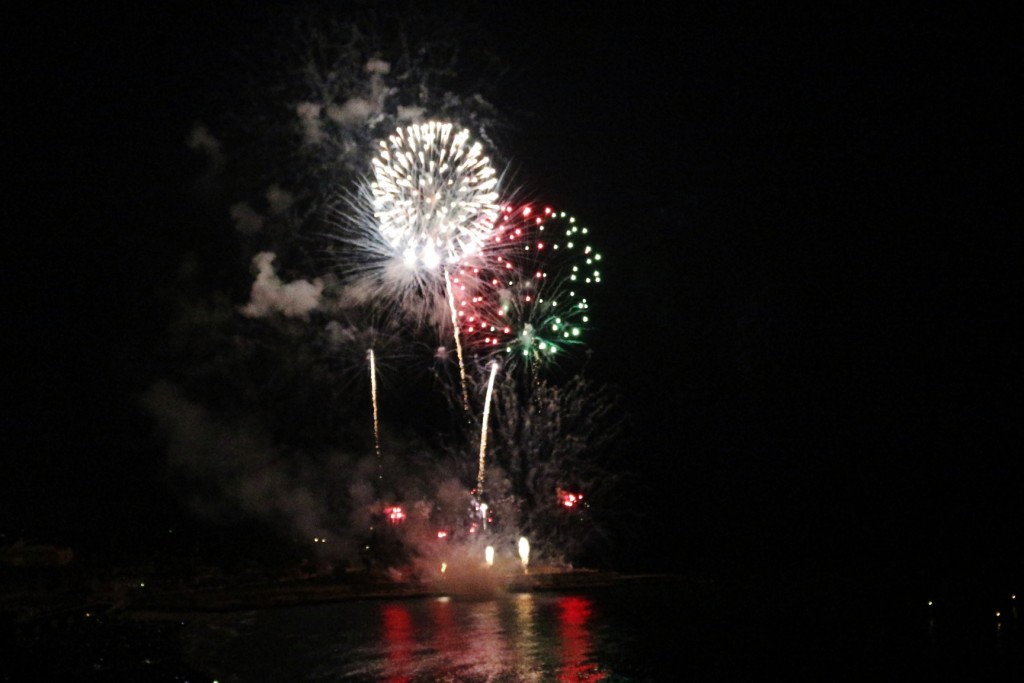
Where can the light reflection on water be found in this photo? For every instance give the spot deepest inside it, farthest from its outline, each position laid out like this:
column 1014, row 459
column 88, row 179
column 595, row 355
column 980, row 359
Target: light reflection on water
column 516, row 637
column 644, row 632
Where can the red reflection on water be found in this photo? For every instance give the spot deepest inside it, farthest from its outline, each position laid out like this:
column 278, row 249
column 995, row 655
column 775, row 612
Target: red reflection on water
column 443, row 633
column 399, row 641
column 576, row 642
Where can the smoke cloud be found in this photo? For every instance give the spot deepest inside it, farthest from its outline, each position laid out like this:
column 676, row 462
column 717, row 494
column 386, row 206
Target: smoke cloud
column 271, row 295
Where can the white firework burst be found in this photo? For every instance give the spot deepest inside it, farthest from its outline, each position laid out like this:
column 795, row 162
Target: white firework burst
column 435, row 194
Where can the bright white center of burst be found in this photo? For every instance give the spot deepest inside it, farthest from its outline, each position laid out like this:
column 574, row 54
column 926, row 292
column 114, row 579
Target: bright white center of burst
column 434, row 194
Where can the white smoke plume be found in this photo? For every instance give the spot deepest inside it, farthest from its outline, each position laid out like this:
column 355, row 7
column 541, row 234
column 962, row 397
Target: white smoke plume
column 271, row 295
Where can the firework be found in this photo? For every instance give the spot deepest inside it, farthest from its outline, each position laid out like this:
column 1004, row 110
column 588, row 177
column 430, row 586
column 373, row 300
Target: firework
column 407, row 232
column 531, row 301
column 434, row 194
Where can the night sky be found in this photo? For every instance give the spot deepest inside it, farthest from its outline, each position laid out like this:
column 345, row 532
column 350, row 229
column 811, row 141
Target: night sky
column 813, row 264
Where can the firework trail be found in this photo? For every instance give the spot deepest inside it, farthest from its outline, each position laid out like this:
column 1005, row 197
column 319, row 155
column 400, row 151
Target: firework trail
column 376, row 420
column 483, row 429
column 458, row 342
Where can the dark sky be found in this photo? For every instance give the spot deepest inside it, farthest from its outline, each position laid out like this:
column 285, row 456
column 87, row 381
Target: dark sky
column 813, row 259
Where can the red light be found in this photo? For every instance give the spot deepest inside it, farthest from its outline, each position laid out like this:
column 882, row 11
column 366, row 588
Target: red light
column 395, row 514
column 568, row 499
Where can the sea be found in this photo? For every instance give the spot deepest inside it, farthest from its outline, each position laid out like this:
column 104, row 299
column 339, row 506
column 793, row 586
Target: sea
column 645, row 628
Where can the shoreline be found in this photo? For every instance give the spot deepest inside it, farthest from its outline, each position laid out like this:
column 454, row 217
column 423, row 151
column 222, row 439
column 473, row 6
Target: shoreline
column 319, row 591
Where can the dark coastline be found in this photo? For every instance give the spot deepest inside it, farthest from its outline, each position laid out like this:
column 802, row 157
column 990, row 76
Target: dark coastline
column 367, row 587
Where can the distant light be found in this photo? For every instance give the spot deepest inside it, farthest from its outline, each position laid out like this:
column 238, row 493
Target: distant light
column 568, row 499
